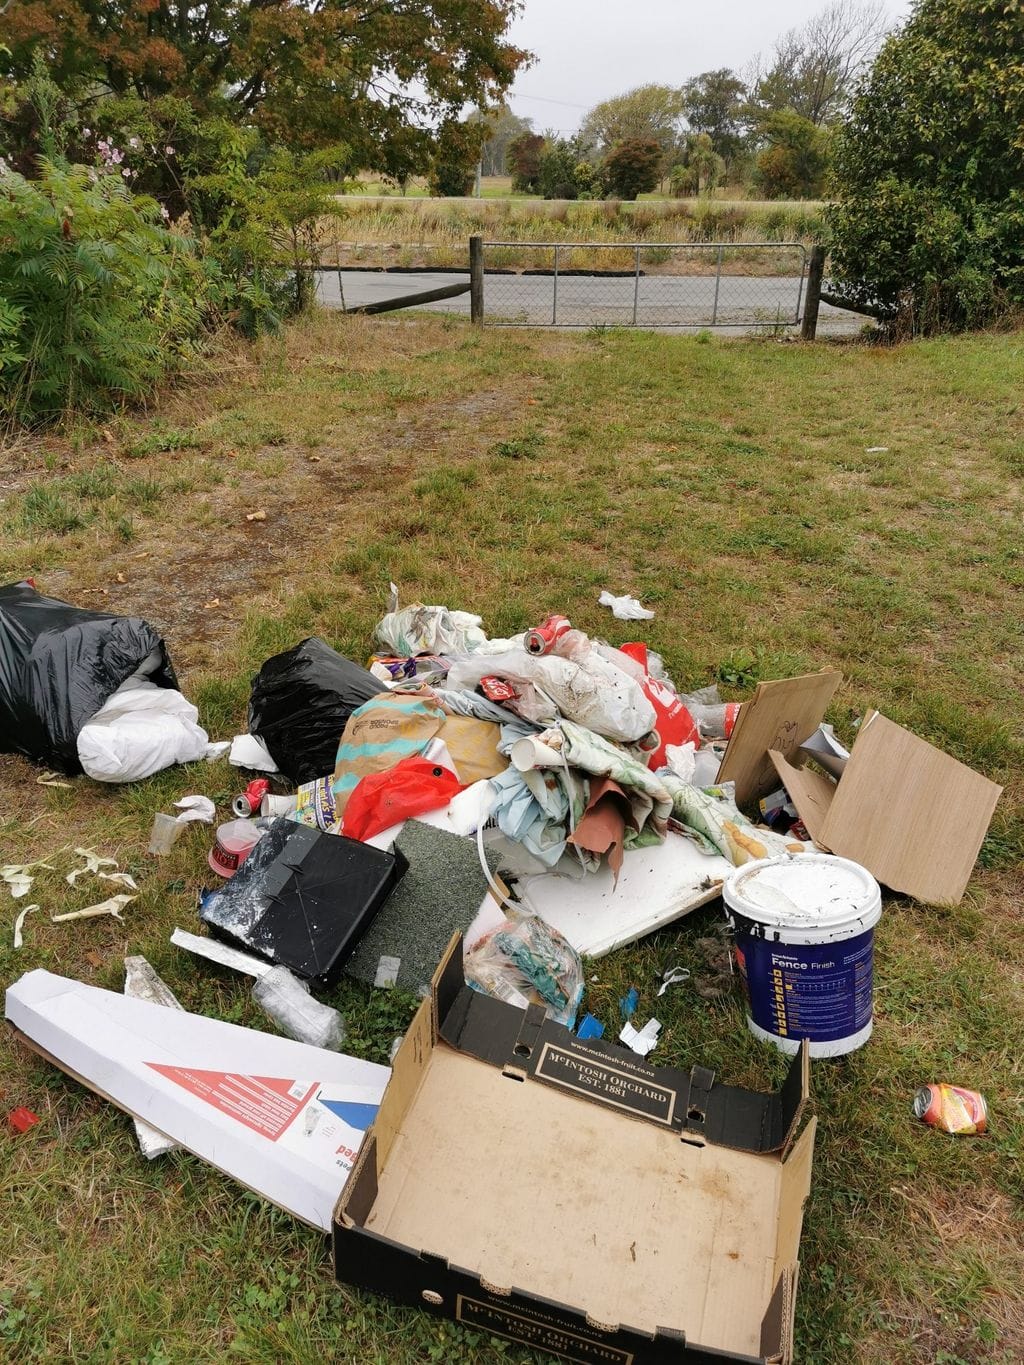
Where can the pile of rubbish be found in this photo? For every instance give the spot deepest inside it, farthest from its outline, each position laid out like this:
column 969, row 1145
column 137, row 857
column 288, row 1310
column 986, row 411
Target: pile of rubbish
column 504, row 808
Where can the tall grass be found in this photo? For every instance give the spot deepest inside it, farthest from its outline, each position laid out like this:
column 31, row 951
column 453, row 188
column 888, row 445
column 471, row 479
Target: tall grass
column 435, row 232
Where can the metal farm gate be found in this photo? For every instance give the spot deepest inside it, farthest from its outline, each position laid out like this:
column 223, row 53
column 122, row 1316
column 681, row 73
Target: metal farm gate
column 662, row 284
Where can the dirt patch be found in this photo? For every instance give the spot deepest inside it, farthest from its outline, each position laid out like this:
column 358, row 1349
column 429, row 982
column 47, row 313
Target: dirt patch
column 956, row 1232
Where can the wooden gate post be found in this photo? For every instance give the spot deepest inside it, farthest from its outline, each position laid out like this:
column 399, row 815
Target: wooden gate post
column 476, row 279
column 815, row 271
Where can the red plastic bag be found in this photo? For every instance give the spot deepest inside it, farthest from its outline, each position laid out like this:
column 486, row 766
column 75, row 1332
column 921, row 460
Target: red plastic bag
column 411, row 787
column 675, row 724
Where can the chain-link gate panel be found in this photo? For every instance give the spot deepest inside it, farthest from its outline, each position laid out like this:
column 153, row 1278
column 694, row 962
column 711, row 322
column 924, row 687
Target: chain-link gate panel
column 600, row 284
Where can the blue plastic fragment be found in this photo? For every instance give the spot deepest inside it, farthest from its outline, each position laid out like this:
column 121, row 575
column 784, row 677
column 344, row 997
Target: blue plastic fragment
column 629, row 1002
column 590, row 1027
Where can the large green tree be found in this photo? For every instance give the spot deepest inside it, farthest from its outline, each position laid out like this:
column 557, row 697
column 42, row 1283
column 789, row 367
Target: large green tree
column 713, row 103
column 650, row 112
column 377, row 74
column 929, row 170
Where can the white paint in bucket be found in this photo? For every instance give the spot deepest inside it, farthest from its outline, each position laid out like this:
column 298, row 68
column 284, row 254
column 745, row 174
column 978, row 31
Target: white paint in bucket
column 804, row 927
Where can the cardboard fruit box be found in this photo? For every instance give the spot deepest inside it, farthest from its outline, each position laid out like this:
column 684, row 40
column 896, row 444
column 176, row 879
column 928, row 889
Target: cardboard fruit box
column 573, row 1198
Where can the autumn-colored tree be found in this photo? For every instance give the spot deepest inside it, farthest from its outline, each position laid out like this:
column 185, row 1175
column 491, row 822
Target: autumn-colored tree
column 376, row 74
column 633, row 167
column 523, row 160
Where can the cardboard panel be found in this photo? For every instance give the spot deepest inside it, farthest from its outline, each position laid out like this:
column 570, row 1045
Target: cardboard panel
column 779, row 716
column 406, row 1073
column 282, row 1118
column 912, row 815
column 810, row 791
column 794, row 1188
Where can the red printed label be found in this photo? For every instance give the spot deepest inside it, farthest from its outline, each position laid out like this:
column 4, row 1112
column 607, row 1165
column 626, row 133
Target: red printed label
column 266, row 1104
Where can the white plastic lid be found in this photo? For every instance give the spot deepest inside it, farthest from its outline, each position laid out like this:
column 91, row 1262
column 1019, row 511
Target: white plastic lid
column 803, row 890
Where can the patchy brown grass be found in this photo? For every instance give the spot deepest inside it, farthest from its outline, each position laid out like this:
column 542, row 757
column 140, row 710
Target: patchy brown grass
column 730, row 486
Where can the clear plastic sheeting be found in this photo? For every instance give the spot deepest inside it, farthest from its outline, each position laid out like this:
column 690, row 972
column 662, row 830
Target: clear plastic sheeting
column 526, row 961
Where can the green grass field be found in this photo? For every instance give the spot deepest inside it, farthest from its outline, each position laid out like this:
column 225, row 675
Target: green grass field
column 733, row 486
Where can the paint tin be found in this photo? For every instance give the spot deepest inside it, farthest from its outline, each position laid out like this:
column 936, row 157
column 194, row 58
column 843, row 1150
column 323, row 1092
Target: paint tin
column 804, row 928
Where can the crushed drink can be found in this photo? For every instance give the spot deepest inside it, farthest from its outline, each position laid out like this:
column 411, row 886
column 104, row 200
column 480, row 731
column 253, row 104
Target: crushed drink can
column 952, row 1109
column 541, row 640
column 248, row 803
column 497, row 689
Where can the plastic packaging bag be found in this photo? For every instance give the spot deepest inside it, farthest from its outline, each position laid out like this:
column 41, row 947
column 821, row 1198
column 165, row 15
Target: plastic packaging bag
column 409, row 788
column 285, row 999
column 429, row 630
column 59, row 664
column 588, row 689
column 300, row 703
column 140, row 730
column 527, row 962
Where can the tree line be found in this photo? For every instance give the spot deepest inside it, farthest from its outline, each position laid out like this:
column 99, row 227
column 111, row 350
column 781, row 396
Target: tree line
column 767, row 129
column 165, row 168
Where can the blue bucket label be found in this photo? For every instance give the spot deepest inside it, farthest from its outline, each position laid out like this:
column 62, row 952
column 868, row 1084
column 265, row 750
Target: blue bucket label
column 819, row 991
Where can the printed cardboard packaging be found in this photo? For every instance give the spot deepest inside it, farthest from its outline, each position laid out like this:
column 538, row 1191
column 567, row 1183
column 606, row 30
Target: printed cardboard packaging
column 573, row 1198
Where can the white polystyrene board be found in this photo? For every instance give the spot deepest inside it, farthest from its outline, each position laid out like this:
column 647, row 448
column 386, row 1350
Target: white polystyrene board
column 656, row 885
column 283, row 1118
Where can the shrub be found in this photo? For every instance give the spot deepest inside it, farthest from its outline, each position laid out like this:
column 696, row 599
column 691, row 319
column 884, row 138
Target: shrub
column 930, row 218
column 453, row 166
column 262, row 229
column 633, row 167
column 556, row 177
column 794, row 163
column 99, row 300
column 523, row 162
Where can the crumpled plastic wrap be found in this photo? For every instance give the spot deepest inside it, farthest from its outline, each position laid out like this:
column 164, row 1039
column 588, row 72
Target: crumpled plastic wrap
column 525, row 961
column 419, row 629
column 588, row 689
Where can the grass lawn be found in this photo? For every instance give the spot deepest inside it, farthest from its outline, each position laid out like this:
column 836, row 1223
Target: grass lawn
column 733, row 488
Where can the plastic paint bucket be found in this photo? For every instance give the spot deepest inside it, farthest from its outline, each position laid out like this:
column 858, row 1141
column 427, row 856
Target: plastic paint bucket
column 234, row 842
column 804, row 928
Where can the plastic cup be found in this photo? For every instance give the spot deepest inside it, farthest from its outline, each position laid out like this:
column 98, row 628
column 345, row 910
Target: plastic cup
column 164, row 834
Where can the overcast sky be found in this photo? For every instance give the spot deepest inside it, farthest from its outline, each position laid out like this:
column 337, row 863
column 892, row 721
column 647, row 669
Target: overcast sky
column 589, row 50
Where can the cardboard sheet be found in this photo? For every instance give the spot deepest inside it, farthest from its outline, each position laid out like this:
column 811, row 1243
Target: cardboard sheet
column 284, row 1119
column 810, row 791
column 656, row 886
column 913, row 816
column 779, row 716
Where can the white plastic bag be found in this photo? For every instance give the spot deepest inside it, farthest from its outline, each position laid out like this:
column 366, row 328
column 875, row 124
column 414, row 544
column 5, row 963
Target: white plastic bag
column 139, row 731
column 625, row 608
column 589, row 689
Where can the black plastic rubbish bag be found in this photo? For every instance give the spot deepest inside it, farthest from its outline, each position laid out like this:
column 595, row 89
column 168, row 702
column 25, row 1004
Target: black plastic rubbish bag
column 300, row 702
column 58, row 665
